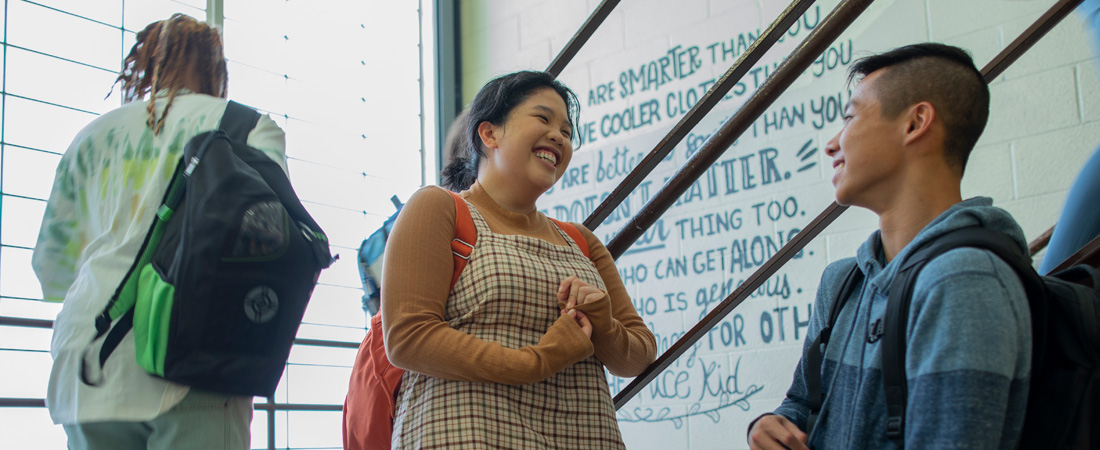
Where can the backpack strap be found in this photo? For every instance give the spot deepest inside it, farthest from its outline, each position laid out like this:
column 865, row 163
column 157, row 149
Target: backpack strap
column 895, row 381
column 121, row 304
column 238, row 120
column 815, row 355
column 574, row 233
column 462, row 246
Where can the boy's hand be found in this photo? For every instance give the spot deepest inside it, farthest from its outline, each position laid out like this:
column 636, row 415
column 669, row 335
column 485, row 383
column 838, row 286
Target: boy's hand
column 775, row 432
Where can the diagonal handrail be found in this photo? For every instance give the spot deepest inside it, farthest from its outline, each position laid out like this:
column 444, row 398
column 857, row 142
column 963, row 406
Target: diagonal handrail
column 1040, row 242
column 46, row 323
column 1088, row 254
column 581, row 37
column 1028, row 38
column 817, row 42
column 797, row 62
column 1006, row 57
column 736, row 72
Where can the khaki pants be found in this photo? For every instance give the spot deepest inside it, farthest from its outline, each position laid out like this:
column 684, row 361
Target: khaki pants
column 201, row 421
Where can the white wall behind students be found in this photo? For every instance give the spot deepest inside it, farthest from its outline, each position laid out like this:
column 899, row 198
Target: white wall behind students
column 644, row 69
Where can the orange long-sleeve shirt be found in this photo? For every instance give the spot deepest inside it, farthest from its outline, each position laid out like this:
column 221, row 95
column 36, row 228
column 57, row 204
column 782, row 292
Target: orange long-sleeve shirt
column 415, row 281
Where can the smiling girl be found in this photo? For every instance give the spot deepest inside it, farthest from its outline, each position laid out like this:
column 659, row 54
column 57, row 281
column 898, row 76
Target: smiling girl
column 514, row 355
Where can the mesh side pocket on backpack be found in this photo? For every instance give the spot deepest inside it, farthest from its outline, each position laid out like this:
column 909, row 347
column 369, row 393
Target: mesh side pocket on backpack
column 152, row 319
column 264, row 232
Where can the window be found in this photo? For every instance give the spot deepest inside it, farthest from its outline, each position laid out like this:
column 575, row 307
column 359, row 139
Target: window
column 341, row 78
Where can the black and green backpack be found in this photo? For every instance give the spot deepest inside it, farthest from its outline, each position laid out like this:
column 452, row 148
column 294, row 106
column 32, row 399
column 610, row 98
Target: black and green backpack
column 222, row 280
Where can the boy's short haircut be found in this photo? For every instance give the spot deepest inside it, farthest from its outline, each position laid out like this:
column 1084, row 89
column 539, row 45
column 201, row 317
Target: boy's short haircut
column 940, row 74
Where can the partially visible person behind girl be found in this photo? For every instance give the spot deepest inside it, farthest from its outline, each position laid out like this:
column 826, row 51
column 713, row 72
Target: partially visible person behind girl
column 513, row 357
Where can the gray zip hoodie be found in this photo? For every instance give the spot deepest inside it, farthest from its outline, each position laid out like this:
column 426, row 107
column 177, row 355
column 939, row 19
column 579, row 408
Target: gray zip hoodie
column 968, row 355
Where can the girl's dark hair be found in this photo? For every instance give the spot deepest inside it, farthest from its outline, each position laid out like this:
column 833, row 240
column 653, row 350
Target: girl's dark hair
column 493, row 104
column 165, row 50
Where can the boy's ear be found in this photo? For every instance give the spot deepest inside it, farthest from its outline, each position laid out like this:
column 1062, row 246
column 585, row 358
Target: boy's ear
column 919, row 118
column 488, row 134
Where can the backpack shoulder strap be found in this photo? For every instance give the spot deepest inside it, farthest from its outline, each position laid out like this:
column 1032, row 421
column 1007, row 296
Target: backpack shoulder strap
column 462, row 246
column 815, row 355
column 901, row 293
column 574, row 233
column 120, row 308
column 238, row 120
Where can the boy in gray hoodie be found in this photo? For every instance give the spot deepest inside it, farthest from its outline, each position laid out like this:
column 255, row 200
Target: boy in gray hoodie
column 913, row 118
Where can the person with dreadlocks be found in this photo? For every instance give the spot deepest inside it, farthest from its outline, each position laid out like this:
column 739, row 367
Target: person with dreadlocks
column 107, row 188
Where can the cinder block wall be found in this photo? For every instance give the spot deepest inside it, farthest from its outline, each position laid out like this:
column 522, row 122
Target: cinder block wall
column 649, row 63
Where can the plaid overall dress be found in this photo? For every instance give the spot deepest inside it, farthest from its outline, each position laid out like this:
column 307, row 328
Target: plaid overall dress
column 508, row 294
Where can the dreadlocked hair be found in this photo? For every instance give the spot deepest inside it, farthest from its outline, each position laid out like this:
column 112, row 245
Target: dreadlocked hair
column 162, row 57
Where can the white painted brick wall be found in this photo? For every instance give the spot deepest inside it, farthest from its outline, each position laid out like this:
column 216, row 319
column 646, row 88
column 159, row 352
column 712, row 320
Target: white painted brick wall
column 1032, row 104
column 1088, row 88
column 643, row 17
column 1045, row 122
column 952, row 18
column 989, row 173
column 1060, row 48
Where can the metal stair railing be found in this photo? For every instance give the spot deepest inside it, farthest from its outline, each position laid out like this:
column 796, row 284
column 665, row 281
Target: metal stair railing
column 270, row 406
column 581, row 37
column 730, row 131
column 706, row 103
column 790, row 69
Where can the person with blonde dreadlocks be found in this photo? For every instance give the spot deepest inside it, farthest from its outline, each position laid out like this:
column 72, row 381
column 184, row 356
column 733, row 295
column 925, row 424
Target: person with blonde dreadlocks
column 107, row 188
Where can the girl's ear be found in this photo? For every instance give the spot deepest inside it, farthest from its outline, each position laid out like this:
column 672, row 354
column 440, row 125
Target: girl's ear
column 489, row 133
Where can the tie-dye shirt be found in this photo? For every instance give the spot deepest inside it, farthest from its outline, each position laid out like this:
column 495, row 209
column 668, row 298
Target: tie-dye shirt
column 105, row 194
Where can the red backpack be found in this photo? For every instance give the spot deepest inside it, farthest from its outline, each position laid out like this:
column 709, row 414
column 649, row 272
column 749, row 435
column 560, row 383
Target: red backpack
column 368, row 407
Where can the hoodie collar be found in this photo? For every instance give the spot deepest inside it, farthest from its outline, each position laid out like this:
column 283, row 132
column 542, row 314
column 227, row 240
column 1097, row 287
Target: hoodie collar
column 977, row 211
